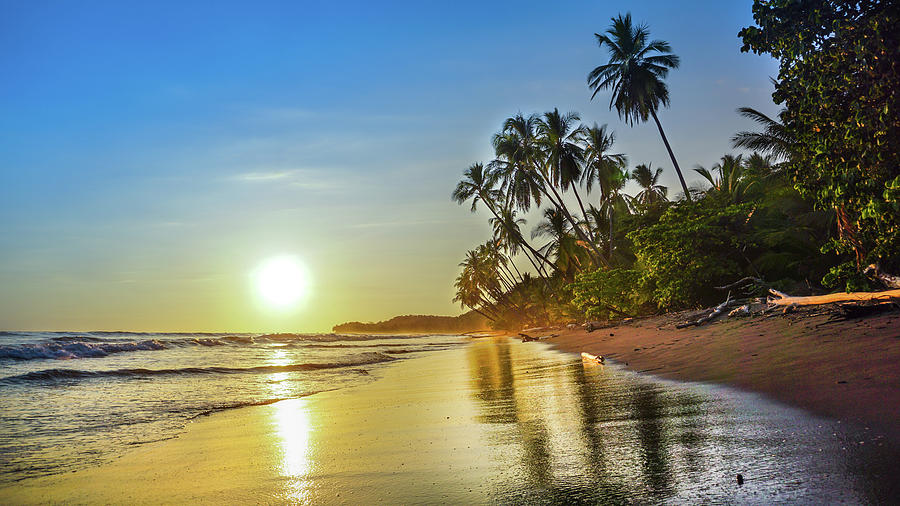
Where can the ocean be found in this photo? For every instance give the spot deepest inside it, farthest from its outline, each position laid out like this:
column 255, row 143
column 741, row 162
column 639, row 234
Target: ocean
column 70, row 400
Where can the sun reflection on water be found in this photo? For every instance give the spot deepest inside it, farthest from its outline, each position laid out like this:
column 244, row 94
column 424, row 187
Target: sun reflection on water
column 293, row 427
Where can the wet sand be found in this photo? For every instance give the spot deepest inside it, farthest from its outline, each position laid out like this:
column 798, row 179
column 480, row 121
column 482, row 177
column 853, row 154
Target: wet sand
column 847, row 370
column 497, row 421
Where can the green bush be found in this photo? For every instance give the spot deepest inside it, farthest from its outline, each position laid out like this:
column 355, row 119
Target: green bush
column 694, row 247
column 605, row 295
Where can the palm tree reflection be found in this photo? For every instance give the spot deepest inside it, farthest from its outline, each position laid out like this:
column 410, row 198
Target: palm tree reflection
column 578, row 432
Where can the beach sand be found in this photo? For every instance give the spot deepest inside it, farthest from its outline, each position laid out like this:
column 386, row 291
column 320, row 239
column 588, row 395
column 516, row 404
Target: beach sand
column 847, row 370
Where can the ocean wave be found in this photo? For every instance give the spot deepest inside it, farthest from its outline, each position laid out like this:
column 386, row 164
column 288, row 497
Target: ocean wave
column 75, row 349
column 76, row 338
column 50, row 375
column 330, row 338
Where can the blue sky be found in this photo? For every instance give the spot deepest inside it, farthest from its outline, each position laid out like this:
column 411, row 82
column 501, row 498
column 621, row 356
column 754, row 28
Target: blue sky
column 151, row 156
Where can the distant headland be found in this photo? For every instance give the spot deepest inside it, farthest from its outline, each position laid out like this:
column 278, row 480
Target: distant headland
column 466, row 322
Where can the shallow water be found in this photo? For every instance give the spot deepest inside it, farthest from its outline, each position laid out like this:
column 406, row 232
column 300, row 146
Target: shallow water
column 70, row 400
column 496, row 421
column 571, row 431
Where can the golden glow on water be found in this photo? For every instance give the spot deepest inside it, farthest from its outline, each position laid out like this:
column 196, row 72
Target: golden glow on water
column 293, row 426
column 293, row 429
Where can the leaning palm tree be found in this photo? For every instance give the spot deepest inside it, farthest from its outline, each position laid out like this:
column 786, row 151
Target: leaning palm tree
column 478, row 185
column 773, row 140
column 562, row 245
column 526, row 170
column 560, row 143
column 507, row 232
column 635, row 72
column 648, row 179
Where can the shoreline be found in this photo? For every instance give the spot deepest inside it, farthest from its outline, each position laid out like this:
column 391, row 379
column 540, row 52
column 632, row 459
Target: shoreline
column 845, row 370
column 486, row 415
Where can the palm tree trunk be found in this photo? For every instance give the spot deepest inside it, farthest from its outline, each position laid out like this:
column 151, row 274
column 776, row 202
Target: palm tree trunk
column 482, row 314
column 520, row 279
column 687, row 194
column 610, row 238
column 523, row 242
column 584, row 214
column 578, row 231
column 510, row 278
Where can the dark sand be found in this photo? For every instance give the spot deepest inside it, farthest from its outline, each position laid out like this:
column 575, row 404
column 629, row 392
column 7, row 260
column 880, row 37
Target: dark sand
column 847, row 370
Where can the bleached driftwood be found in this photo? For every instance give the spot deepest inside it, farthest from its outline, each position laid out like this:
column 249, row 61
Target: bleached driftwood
column 592, row 358
column 715, row 313
column 783, row 299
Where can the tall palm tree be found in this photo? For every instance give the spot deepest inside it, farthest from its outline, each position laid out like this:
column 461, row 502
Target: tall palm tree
column 599, row 164
column 648, row 179
column 635, row 72
column 773, row 140
column 526, row 170
column 560, row 140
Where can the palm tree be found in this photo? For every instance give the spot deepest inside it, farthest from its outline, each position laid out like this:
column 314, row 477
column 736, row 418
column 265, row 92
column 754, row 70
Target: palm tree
column 611, row 182
column 563, row 245
column 526, row 169
column 773, row 140
column 516, row 162
column 478, row 185
column 560, row 140
column 652, row 192
column 508, row 233
column 635, row 72
column 600, row 165
column 727, row 177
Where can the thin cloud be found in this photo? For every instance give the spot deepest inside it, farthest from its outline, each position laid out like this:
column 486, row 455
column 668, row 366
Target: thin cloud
column 265, row 176
column 399, row 223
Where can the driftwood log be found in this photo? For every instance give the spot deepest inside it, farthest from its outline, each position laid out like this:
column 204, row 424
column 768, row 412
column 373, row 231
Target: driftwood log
column 789, row 303
column 783, row 299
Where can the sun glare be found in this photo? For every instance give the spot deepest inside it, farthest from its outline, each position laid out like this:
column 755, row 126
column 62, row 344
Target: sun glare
column 282, row 282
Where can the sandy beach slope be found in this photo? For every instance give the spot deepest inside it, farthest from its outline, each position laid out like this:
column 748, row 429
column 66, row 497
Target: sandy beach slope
column 848, row 370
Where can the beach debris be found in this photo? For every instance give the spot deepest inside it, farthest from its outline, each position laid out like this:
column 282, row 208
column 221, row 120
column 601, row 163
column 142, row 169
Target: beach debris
column 740, row 311
column 592, row 358
column 592, row 326
column 782, row 299
column 527, row 338
column 740, row 479
column 874, row 271
column 715, row 313
column 572, row 326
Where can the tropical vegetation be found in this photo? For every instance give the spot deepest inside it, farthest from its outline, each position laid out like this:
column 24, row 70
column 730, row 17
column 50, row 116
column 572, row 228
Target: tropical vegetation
column 809, row 202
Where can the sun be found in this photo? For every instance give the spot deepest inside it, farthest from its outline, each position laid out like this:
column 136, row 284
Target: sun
column 282, row 282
